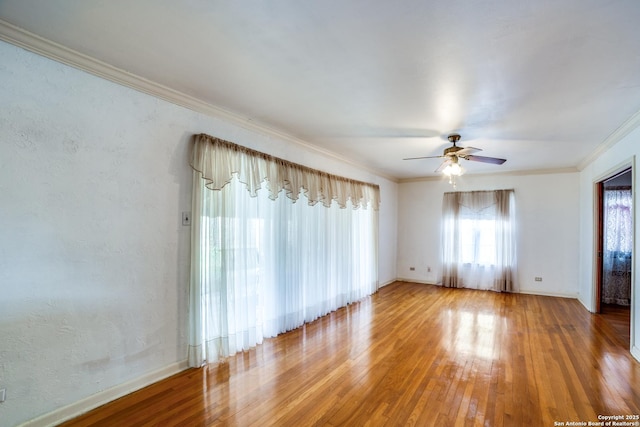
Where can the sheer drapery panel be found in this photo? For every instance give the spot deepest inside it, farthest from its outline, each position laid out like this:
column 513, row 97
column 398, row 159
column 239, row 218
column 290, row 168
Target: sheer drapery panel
column 263, row 265
column 478, row 240
column 618, row 244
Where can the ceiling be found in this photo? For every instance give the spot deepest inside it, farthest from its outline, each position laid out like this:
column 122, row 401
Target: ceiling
column 543, row 84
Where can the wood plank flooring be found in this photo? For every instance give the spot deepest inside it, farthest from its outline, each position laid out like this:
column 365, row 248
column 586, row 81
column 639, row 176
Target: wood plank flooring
column 618, row 318
column 411, row 354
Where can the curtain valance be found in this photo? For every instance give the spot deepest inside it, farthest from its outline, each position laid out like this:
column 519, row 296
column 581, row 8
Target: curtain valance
column 218, row 160
column 478, row 201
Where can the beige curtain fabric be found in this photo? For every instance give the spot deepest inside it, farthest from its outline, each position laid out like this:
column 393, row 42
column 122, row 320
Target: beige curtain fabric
column 218, row 160
column 261, row 264
column 478, row 240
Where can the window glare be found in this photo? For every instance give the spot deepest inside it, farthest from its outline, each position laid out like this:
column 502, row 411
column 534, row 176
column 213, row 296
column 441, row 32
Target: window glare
column 478, row 241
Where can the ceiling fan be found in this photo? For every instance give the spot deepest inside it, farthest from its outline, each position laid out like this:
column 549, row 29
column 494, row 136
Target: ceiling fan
column 453, row 153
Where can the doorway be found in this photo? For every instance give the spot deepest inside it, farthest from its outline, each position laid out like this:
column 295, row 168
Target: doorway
column 615, row 249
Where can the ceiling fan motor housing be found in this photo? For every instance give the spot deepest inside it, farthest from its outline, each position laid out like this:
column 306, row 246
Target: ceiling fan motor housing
column 453, row 138
column 451, row 150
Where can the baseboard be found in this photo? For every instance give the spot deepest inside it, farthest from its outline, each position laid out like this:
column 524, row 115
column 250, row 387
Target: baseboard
column 386, row 283
column 521, row 291
column 547, row 294
column 424, row 282
column 635, row 352
column 589, row 309
column 80, row 407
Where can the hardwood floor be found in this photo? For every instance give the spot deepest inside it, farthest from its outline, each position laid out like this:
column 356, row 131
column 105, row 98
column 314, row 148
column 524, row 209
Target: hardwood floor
column 411, row 354
column 618, row 318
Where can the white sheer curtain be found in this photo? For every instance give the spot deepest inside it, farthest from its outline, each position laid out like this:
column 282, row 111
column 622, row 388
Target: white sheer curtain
column 618, row 244
column 263, row 264
column 478, row 240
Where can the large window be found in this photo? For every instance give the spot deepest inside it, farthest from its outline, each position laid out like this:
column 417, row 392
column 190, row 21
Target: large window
column 266, row 261
column 478, row 240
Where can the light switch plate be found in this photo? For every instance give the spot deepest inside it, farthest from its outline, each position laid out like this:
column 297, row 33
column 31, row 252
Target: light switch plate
column 186, row 218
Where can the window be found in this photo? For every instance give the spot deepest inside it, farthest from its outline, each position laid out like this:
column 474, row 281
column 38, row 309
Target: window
column 478, row 240
column 618, row 245
column 264, row 263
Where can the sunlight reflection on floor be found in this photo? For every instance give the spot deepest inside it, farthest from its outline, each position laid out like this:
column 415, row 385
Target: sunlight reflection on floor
column 473, row 333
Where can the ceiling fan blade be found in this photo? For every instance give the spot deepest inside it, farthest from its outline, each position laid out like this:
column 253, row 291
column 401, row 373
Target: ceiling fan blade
column 427, row 157
column 467, row 150
column 483, row 159
column 442, row 166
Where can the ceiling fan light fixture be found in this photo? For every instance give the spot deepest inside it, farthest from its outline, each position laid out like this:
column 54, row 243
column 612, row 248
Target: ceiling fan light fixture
column 453, row 169
column 450, row 167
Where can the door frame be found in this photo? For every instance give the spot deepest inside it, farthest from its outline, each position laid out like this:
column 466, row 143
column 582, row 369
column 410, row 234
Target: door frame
column 599, row 245
column 598, row 188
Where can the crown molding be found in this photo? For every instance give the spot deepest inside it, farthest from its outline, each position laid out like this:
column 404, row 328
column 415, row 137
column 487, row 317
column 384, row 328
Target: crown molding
column 59, row 53
column 507, row 173
column 616, row 136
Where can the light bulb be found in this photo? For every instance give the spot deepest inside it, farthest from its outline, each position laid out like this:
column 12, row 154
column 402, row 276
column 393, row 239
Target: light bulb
column 456, row 169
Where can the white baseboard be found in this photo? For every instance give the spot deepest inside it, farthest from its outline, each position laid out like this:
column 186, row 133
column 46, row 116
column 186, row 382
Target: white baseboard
column 521, row 291
column 424, row 282
column 635, row 352
column 386, row 283
column 589, row 309
column 80, row 407
column 547, row 294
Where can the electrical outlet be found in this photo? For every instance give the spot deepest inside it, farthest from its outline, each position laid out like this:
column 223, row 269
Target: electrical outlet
column 428, row 269
column 538, row 279
column 186, row 218
column 412, row 269
column 3, row 394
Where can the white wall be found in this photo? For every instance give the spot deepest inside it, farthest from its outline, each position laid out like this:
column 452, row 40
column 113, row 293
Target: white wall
column 93, row 257
column 547, row 221
column 388, row 233
column 620, row 156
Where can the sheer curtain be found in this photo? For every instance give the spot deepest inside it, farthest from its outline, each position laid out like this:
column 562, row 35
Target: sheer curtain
column 618, row 236
column 264, row 264
column 478, row 240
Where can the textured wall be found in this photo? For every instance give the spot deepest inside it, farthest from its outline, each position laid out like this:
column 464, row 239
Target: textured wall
column 93, row 257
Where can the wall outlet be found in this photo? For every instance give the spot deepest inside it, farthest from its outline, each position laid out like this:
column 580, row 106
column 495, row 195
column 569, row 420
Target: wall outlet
column 186, row 218
column 538, row 279
column 428, row 269
column 412, row 269
column 3, row 394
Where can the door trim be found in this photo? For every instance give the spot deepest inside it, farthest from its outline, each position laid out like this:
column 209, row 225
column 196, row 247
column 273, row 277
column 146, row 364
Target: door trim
column 598, row 185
